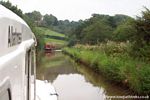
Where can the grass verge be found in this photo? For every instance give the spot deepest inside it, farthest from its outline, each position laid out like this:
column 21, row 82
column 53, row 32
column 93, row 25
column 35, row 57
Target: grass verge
column 121, row 68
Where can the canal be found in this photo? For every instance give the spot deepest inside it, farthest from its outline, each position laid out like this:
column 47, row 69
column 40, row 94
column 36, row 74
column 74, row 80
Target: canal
column 73, row 81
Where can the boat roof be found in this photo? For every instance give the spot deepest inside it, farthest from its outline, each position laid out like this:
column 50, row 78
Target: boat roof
column 6, row 13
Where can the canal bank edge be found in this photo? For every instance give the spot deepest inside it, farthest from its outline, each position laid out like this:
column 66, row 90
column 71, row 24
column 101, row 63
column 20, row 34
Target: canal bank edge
column 111, row 73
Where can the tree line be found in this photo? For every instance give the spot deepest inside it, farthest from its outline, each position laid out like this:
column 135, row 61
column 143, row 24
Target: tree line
column 101, row 28
column 50, row 21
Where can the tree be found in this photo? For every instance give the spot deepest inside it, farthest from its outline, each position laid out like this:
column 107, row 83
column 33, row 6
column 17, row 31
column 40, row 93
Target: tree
column 50, row 20
column 96, row 29
column 120, row 19
column 97, row 32
column 142, row 36
column 35, row 16
column 12, row 8
column 142, row 25
column 125, row 31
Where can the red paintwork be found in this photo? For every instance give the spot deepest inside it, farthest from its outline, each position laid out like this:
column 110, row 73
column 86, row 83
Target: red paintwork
column 49, row 47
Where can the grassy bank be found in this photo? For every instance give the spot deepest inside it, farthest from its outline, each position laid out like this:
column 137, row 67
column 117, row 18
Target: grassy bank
column 113, row 62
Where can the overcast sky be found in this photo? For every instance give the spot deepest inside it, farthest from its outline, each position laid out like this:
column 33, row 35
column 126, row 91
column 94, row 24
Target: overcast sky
column 82, row 9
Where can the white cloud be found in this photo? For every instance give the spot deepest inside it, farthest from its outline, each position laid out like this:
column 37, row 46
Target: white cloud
column 82, row 9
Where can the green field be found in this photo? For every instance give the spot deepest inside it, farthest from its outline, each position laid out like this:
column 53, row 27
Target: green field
column 55, row 41
column 45, row 31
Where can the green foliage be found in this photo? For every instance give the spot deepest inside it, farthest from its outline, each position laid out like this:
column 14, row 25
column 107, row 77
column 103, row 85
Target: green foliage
column 12, row 8
column 34, row 17
column 116, row 66
column 29, row 21
column 65, row 26
column 125, row 31
column 49, row 20
column 144, row 78
column 141, row 46
column 120, row 19
column 95, row 33
column 40, row 38
column 100, row 28
column 143, row 30
column 61, row 26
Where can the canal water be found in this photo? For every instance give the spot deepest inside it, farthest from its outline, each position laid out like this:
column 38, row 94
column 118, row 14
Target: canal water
column 73, row 81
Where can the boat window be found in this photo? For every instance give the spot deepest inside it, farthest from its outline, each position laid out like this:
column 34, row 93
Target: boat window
column 26, row 63
column 9, row 37
column 32, row 63
column 5, row 95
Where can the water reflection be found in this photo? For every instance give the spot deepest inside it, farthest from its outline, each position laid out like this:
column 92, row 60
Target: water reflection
column 75, row 82
column 49, row 54
column 74, row 87
column 54, row 64
column 98, row 81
